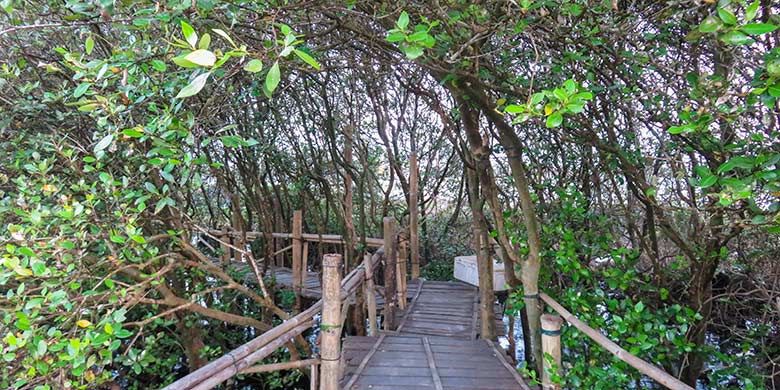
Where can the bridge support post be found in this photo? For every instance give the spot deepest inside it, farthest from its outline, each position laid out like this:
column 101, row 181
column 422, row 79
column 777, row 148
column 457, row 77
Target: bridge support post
column 330, row 348
column 368, row 288
column 401, row 270
column 391, row 245
column 225, row 237
column 297, row 257
column 551, row 350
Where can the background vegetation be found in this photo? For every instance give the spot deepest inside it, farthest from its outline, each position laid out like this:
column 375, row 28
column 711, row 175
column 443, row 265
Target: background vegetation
column 640, row 136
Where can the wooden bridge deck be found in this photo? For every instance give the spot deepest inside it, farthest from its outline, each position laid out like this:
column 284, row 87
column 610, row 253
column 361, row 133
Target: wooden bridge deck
column 435, row 347
column 451, row 306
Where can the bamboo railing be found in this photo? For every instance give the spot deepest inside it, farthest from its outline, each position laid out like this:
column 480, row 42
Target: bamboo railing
column 335, row 297
column 551, row 345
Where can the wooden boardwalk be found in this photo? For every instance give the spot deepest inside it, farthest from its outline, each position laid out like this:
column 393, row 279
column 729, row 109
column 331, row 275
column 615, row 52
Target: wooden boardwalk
column 435, row 347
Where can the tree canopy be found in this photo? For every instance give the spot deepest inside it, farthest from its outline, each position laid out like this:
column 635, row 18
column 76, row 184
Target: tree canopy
column 623, row 155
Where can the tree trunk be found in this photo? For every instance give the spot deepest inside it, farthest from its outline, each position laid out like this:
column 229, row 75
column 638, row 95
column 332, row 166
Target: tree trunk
column 484, row 261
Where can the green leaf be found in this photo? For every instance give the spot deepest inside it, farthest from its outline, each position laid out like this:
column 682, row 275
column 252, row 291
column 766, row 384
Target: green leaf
column 710, row 24
column 103, row 143
column 403, row 20
column 307, row 59
column 758, row 28
column 412, row 51
column 183, row 62
column 81, row 90
column 225, row 35
column 554, row 120
column 38, row 267
column 418, row 36
column 89, row 44
column 132, row 133
column 159, row 65
column 687, row 128
column 537, row 98
column 273, row 77
column 736, row 38
column 395, row 36
column 162, row 203
column 42, row 348
column 194, row 86
column 741, row 162
column 751, row 10
column 201, row 57
column 204, row 42
column 514, row 109
column 253, row 66
column 189, row 33
column 708, row 181
column 570, row 86
column 727, row 16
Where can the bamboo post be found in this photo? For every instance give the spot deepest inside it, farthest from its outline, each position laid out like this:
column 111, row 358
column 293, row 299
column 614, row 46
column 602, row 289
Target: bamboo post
column 313, row 377
column 297, row 258
column 401, row 272
column 368, row 288
column 414, row 236
column 390, row 283
column 239, row 229
column 305, row 263
column 331, row 322
column 224, row 238
column 551, row 350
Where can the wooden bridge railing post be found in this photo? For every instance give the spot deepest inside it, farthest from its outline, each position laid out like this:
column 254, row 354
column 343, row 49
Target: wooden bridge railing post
column 368, row 288
column 297, row 257
column 551, row 345
column 330, row 348
column 401, row 275
column 390, row 278
column 225, row 237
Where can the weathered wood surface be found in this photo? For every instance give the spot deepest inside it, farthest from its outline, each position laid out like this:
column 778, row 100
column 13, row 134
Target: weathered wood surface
column 445, row 309
column 312, row 287
column 406, row 361
column 435, row 347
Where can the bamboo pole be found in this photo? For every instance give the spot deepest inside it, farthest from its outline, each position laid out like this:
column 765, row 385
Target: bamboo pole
column 314, row 376
column 414, row 236
column 305, row 263
column 644, row 367
column 280, row 366
column 230, row 364
column 551, row 350
column 239, row 229
column 368, row 288
column 225, row 248
column 390, row 283
column 330, row 349
column 214, row 380
column 312, row 237
column 297, row 257
column 401, row 272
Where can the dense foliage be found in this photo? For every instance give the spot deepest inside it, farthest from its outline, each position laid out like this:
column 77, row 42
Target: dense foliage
column 626, row 151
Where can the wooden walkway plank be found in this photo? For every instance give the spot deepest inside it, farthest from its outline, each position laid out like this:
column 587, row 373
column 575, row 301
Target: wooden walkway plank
column 432, row 365
column 362, row 365
column 434, row 347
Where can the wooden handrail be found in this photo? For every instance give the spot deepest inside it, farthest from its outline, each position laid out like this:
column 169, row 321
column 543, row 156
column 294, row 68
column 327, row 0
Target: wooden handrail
column 244, row 356
column 280, row 366
column 311, row 237
column 642, row 366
